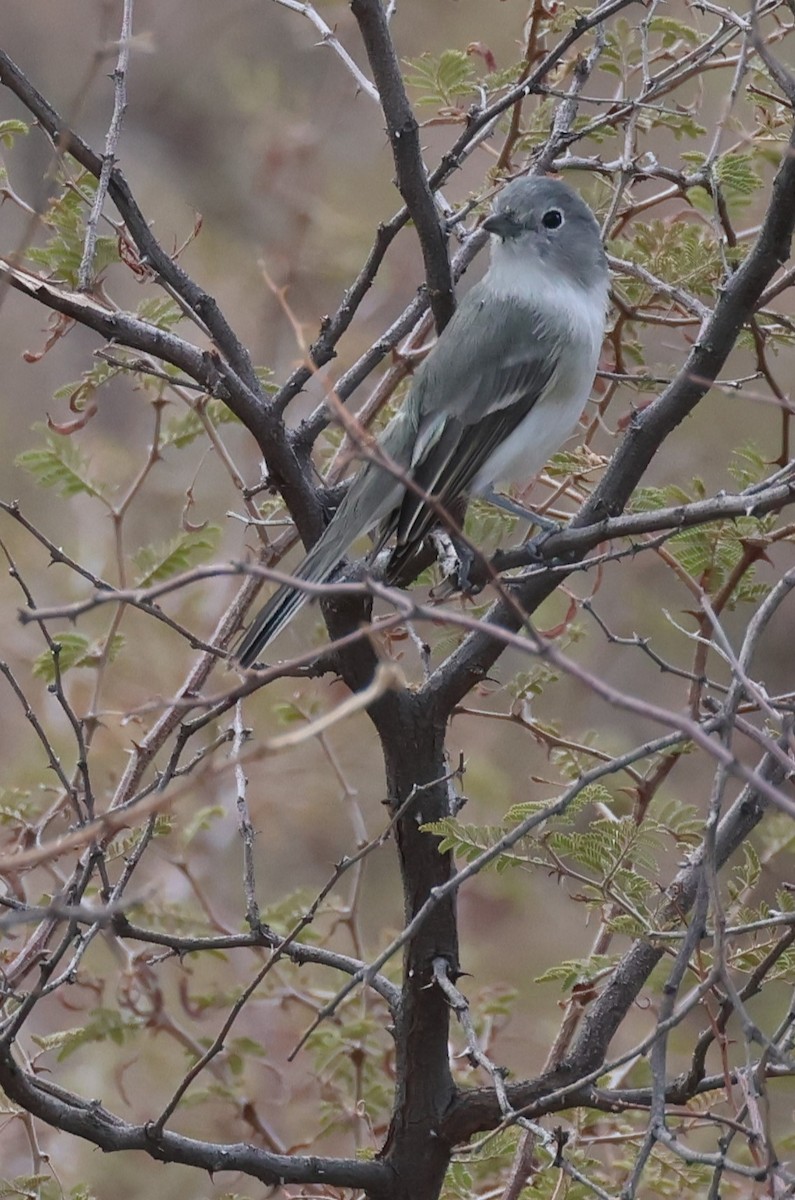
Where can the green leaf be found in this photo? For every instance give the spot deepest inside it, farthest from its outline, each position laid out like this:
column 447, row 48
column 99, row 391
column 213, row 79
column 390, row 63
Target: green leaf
column 248, row 1046
column 497, row 1003
column 121, row 845
column 467, row 842
column 681, row 822
column 683, row 253
column 81, row 1192
column 710, row 552
column 66, row 219
column 201, row 821
column 158, row 562
column 737, row 176
column 745, row 875
column 79, row 393
column 673, row 31
column 486, row 524
column 183, row 430
column 528, row 808
column 16, row 806
column 681, row 124
column 265, row 378
column 504, row 77
column 441, row 81
column 9, row 130
column 626, row 925
column 23, row 1186
column 579, row 461
column 160, row 311
column 75, row 651
column 533, row 682
column 748, row 465
column 285, row 712
column 785, row 899
column 647, row 499
column 58, row 464
column 577, row 970
column 106, row 1024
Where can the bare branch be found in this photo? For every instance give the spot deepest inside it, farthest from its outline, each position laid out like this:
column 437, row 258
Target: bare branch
column 90, row 1120
column 412, row 177
column 111, row 142
column 328, row 38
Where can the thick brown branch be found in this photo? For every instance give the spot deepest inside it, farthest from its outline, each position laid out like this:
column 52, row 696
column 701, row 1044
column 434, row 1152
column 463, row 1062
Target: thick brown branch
column 573, row 540
column 403, row 131
column 88, row 1119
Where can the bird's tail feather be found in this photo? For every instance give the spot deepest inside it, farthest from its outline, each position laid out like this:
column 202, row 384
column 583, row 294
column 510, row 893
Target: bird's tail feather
column 372, row 495
column 318, row 567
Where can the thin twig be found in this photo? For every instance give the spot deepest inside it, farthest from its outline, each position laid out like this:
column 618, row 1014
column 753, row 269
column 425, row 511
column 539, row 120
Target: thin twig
column 329, row 38
column 119, row 77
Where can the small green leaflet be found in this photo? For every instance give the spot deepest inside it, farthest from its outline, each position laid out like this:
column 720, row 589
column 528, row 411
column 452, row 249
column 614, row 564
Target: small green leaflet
column 58, row 464
column 159, row 562
column 105, row 1024
column 182, row 430
column 75, row 651
column 442, row 80
column 10, row 130
column 66, row 218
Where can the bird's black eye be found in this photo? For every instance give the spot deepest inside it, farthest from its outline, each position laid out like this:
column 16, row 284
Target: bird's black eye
column 552, row 218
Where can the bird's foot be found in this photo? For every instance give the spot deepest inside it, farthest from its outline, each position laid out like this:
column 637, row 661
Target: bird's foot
column 535, row 545
column 456, row 560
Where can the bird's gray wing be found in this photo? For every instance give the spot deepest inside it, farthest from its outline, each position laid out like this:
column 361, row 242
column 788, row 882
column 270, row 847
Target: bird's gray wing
column 485, row 373
column 487, row 395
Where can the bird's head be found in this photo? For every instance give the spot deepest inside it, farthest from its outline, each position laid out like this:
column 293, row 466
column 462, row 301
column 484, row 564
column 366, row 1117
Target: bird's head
column 548, row 223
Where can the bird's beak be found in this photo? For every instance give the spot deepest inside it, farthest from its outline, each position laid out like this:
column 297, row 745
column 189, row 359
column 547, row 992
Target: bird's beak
column 504, row 225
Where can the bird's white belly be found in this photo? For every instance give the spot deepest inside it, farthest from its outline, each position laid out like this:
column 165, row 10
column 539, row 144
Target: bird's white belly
column 574, row 317
column 551, row 420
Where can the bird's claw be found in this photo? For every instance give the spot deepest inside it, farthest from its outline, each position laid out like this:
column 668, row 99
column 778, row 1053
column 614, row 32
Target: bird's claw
column 456, row 560
column 535, row 545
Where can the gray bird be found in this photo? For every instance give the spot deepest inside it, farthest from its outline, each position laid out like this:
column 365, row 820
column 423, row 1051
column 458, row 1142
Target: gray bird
column 501, row 390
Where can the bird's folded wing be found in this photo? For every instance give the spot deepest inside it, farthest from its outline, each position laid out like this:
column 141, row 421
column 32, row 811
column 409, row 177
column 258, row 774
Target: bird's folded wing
column 452, row 450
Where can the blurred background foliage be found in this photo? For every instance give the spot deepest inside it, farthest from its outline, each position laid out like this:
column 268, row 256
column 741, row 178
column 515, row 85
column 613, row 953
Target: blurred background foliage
column 246, row 143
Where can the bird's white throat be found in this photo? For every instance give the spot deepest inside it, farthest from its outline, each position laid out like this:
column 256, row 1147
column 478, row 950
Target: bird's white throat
column 555, row 297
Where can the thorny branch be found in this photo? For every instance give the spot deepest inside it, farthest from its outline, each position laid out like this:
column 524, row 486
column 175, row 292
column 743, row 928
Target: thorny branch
column 111, row 144
column 434, row 1111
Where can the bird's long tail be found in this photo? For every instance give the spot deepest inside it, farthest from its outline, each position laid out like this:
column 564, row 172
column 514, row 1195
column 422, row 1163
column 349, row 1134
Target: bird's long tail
column 318, row 567
column 373, row 494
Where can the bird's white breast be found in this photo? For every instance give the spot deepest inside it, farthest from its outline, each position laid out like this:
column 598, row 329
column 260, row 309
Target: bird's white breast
column 563, row 312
